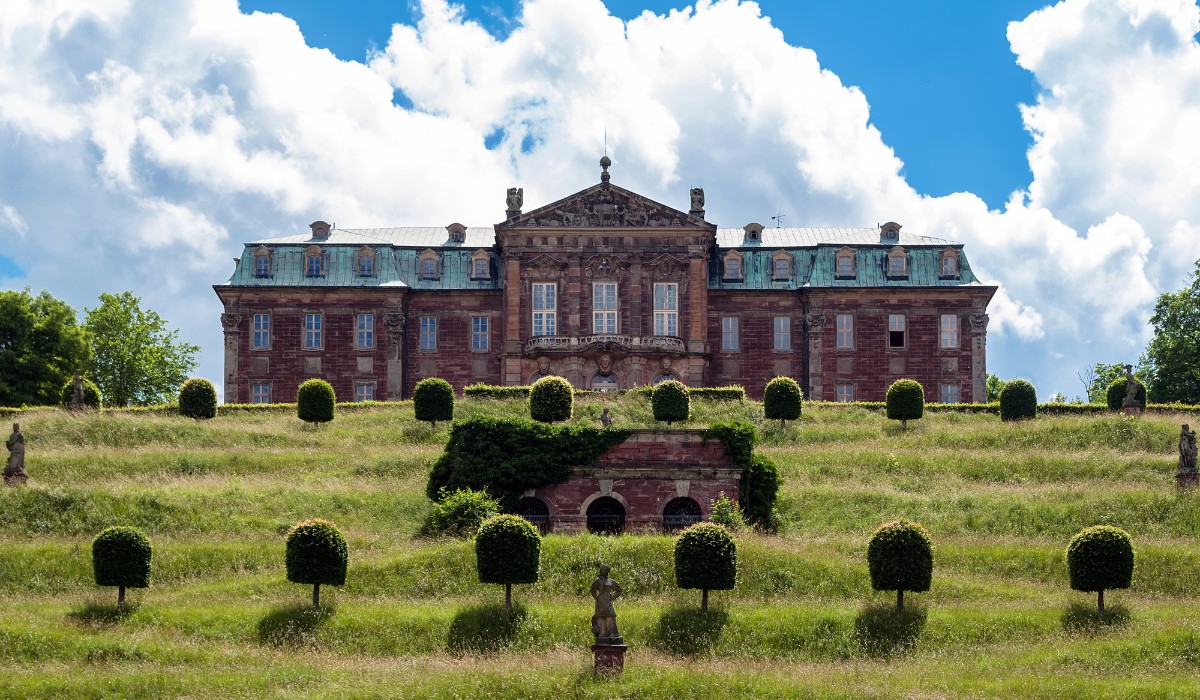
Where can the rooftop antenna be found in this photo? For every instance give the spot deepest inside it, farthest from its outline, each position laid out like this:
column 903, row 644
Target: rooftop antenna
column 778, row 219
column 605, row 141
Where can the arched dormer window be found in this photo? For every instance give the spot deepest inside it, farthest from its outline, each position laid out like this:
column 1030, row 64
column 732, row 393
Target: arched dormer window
column 889, row 232
column 427, row 264
column 897, row 263
column 732, row 266
column 949, row 264
column 753, row 233
column 314, row 261
column 781, row 265
column 844, row 264
column 458, row 232
column 262, row 261
column 481, row 265
column 365, row 262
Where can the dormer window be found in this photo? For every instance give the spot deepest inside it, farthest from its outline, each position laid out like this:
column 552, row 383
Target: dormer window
column 889, row 232
column 781, row 266
column 366, row 262
column 949, row 263
column 732, row 266
column 480, row 265
column 314, row 262
column 458, row 233
column 753, row 233
column 429, row 265
column 844, row 264
column 897, row 263
column 262, row 262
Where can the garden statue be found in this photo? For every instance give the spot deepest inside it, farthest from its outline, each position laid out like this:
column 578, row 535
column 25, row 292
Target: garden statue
column 606, row 419
column 1187, row 449
column 14, row 473
column 77, row 400
column 604, row 622
column 1131, row 388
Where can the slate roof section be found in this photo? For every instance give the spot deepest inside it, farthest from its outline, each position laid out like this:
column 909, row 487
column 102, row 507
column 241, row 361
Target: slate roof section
column 401, row 237
column 809, row 237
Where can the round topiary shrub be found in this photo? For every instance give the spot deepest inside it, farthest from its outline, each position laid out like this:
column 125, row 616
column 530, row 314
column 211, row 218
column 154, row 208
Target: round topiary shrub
column 781, row 400
column 433, row 400
column 316, row 554
column 314, row 401
column 905, row 401
column 1100, row 557
column 1018, row 399
column 551, row 399
column 121, row 557
column 705, row 558
column 671, row 401
column 900, row 557
column 508, row 550
column 198, row 399
column 460, row 512
column 91, row 394
column 1115, row 396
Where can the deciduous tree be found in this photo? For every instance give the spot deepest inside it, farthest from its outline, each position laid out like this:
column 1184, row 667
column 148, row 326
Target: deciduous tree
column 1172, row 359
column 135, row 356
column 41, row 346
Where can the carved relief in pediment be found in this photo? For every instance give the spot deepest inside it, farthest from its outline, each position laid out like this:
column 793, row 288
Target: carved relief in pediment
column 544, row 267
column 666, row 267
column 604, row 207
column 607, row 267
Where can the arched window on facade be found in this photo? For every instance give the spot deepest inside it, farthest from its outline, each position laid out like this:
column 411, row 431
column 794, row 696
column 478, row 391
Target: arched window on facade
column 680, row 513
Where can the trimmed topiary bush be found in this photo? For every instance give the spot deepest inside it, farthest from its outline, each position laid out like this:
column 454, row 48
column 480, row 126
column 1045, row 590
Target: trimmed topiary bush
column 433, row 400
column 460, row 513
column 508, row 550
column 551, row 399
column 91, row 394
column 705, row 558
column 1018, row 399
column 781, row 399
column 671, row 402
column 905, row 401
column 900, row 557
column 197, row 399
column 1100, row 557
column 1115, row 396
column 121, row 557
column 314, row 401
column 757, row 490
column 316, row 554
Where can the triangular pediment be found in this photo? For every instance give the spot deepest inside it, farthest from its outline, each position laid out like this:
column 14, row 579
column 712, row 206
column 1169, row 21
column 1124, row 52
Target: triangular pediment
column 606, row 206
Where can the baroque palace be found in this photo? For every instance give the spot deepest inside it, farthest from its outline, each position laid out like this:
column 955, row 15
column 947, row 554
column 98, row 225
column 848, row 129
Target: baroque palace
column 610, row 290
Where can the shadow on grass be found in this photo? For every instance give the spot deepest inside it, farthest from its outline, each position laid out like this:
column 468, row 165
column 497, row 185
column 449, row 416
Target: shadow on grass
column 485, row 628
column 882, row 630
column 1082, row 618
column 689, row 631
column 101, row 614
column 292, row 625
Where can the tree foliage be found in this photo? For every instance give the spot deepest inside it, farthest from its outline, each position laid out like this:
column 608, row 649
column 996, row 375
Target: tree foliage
column 508, row 550
column 1172, row 359
column 1099, row 377
column 459, row 513
column 671, row 402
column 433, row 400
column 993, row 387
column 315, row 401
column 781, row 400
column 1114, row 396
column 135, row 356
column 551, row 399
column 121, row 557
column 900, row 558
column 905, row 401
column 41, row 346
column 197, row 399
column 1098, row 558
column 91, row 394
column 705, row 558
column 1018, row 399
column 316, row 554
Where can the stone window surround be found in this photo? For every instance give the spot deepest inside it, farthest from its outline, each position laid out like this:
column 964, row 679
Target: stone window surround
column 731, row 333
column 485, row 333
column 844, row 253
column 365, row 383
column 847, row 389
column 899, row 254
column 952, row 331
column 955, row 389
column 314, row 251
column 841, row 333
column 457, row 232
column 257, row 384
column 775, row 335
column 254, row 315
column 319, row 330
column 427, row 328
column 776, row 257
column 423, row 270
column 358, row 314
column 262, row 252
column 951, row 256
column 614, row 313
column 365, row 253
column 903, row 329
column 548, row 313
column 727, row 270
column 485, row 270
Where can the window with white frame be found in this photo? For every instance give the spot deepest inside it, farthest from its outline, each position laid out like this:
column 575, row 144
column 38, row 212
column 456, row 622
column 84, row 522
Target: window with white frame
column 948, row 393
column 260, row 392
column 844, row 392
column 364, row 391
column 949, row 265
column 845, row 331
column 733, row 267
column 428, row 336
column 666, row 308
column 479, row 333
column 782, row 268
column 782, row 332
column 897, row 330
column 429, row 268
column 312, row 265
column 261, row 327
column 313, row 337
column 948, row 337
column 896, row 265
column 729, row 333
column 604, row 307
column 545, row 308
column 845, row 264
column 364, row 331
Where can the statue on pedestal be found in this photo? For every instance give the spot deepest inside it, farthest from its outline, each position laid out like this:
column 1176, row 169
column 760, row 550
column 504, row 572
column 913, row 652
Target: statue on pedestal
column 604, row 622
column 1187, row 449
column 14, row 473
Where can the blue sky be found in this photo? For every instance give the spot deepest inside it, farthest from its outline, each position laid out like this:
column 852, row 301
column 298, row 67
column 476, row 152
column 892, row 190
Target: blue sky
column 141, row 142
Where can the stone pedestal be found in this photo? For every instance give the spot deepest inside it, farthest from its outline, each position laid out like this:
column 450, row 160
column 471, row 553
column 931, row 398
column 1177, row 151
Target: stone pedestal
column 610, row 658
column 1134, row 411
column 1187, row 480
column 16, row 478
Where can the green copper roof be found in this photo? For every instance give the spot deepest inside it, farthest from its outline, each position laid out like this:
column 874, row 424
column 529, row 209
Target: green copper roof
column 394, row 267
column 814, row 268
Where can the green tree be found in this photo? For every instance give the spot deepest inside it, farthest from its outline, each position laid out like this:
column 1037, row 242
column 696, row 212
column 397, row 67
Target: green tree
column 905, row 401
column 135, row 356
column 508, row 550
column 1099, row 377
column 993, row 387
column 433, row 400
column 781, row 399
column 41, row 346
column 705, row 558
column 121, row 557
column 900, row 558
column 316, row 553
column 1172, row 359
column 1100, row 557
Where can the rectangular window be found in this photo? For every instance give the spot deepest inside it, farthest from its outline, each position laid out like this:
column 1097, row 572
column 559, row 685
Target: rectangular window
column 312, row 332
column 733, row 268
column 783, row 333
column 896, row 330
column 364, row 391
column 783, row 268
column 479, row 333
column 844, row 392
column 949, row 393
column 948, row 338
column 545, row 308
column 312, row 266
column 429, row 269
column 262, row 331
column 364, row 331
column 366, row 266
column 604, row 307
column 729, row 333
column 949, row 266
column 845, row 266
column 262, row 266
column 260, row 392
column 666, row 308
column 428, row 333
column 480, row 269
column 845, row 331
column 896, row 266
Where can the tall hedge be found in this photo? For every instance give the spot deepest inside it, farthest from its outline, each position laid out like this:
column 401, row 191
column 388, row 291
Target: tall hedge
column 316, row 554
column 781, row 400
column 1115, row 396
column 433, row 400
column 314, row 401
column 198, row 399
column 508, row 550
column 760, row 476
column 121, row 557
column 905, row 401
column 705, row 558
column 551, row 399
column 92, row 398
column 670, row 402
column 1098, row 558
column 900, row 558
column 1018, row 399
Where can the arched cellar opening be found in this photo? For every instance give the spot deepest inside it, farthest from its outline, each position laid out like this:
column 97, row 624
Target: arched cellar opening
column 680, row 513
column 606, row 516
column 536, row 512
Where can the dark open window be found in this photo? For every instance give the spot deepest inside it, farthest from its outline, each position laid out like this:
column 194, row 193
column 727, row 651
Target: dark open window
column 606, row 516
